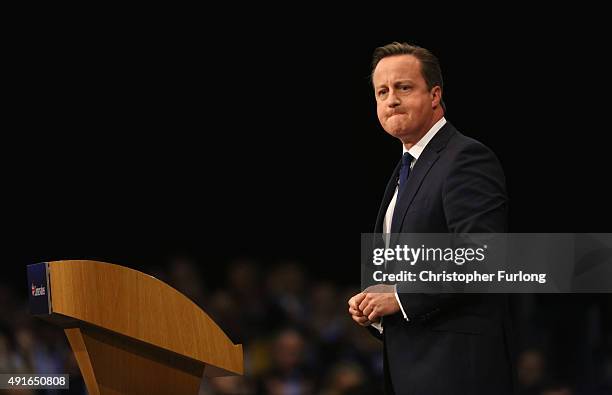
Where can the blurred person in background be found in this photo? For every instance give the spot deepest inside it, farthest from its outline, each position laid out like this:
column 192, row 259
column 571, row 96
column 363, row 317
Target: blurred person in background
column 557, row 389
column 289, row 373
column 227, row 385
column 347, row 378
column 531, row 372
column 245, row 287
column 286, row 285
column 184, row 275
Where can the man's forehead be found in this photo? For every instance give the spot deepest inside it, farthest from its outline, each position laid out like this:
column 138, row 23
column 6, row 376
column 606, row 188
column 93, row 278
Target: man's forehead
column 397, row 67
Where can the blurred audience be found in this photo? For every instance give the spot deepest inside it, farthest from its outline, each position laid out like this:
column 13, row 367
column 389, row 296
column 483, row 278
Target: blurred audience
column 298, row 338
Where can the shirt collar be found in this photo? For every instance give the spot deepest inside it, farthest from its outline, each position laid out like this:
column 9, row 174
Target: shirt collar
column 417, row 149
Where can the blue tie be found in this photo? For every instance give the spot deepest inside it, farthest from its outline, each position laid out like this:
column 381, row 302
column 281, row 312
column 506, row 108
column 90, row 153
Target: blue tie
column 404, row 173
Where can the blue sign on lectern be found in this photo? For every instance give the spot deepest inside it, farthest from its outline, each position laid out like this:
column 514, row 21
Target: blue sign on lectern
column 38, row 284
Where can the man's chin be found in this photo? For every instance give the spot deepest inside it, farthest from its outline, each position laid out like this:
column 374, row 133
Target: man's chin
column 398, row 133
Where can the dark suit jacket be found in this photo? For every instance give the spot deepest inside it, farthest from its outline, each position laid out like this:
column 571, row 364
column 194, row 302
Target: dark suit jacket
column 453, row 343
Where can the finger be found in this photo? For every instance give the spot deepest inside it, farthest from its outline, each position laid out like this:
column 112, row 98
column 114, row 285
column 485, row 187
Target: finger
column 368, row 310
column 360, row 319
column 353, row 302
column 373, row 316
column 356, row 312
column 364, row 303
column 359, row 298
column 363, row 321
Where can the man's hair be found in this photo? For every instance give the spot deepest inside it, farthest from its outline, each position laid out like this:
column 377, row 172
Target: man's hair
column 430, row 66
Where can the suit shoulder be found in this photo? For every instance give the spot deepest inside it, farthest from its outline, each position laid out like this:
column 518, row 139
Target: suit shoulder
column 460, row 144
column 460, row 140
column 466, row 154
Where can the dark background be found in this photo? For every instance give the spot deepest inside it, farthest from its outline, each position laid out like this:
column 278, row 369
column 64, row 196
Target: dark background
column 131, row 145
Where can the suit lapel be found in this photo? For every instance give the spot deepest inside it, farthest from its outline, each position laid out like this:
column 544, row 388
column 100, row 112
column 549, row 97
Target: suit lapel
column 389, row 192
column 417, row 174
column 420, row 169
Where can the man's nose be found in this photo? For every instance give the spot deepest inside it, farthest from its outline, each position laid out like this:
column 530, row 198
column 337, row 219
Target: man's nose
column 392, row 100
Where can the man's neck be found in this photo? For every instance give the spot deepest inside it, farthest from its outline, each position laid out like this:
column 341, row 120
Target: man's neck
column 413, row 140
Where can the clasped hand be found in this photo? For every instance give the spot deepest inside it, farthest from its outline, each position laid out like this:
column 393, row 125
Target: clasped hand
column 371, row 304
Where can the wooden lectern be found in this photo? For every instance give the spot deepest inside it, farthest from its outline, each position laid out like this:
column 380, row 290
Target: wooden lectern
column 130, row 332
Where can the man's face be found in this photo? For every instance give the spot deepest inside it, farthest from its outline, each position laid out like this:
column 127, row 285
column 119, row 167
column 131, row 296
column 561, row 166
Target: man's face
column 405, row 106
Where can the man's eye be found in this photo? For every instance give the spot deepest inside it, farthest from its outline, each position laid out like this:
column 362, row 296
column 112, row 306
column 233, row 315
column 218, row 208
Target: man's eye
column 381, row 92
column 405, row 88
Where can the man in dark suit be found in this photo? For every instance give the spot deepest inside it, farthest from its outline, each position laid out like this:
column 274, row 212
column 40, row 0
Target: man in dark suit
column 445, row 183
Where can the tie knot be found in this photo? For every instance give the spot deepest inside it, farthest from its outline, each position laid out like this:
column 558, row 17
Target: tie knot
column 407, row 159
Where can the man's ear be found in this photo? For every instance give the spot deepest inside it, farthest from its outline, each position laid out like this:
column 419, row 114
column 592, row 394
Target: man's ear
column 436, row 96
